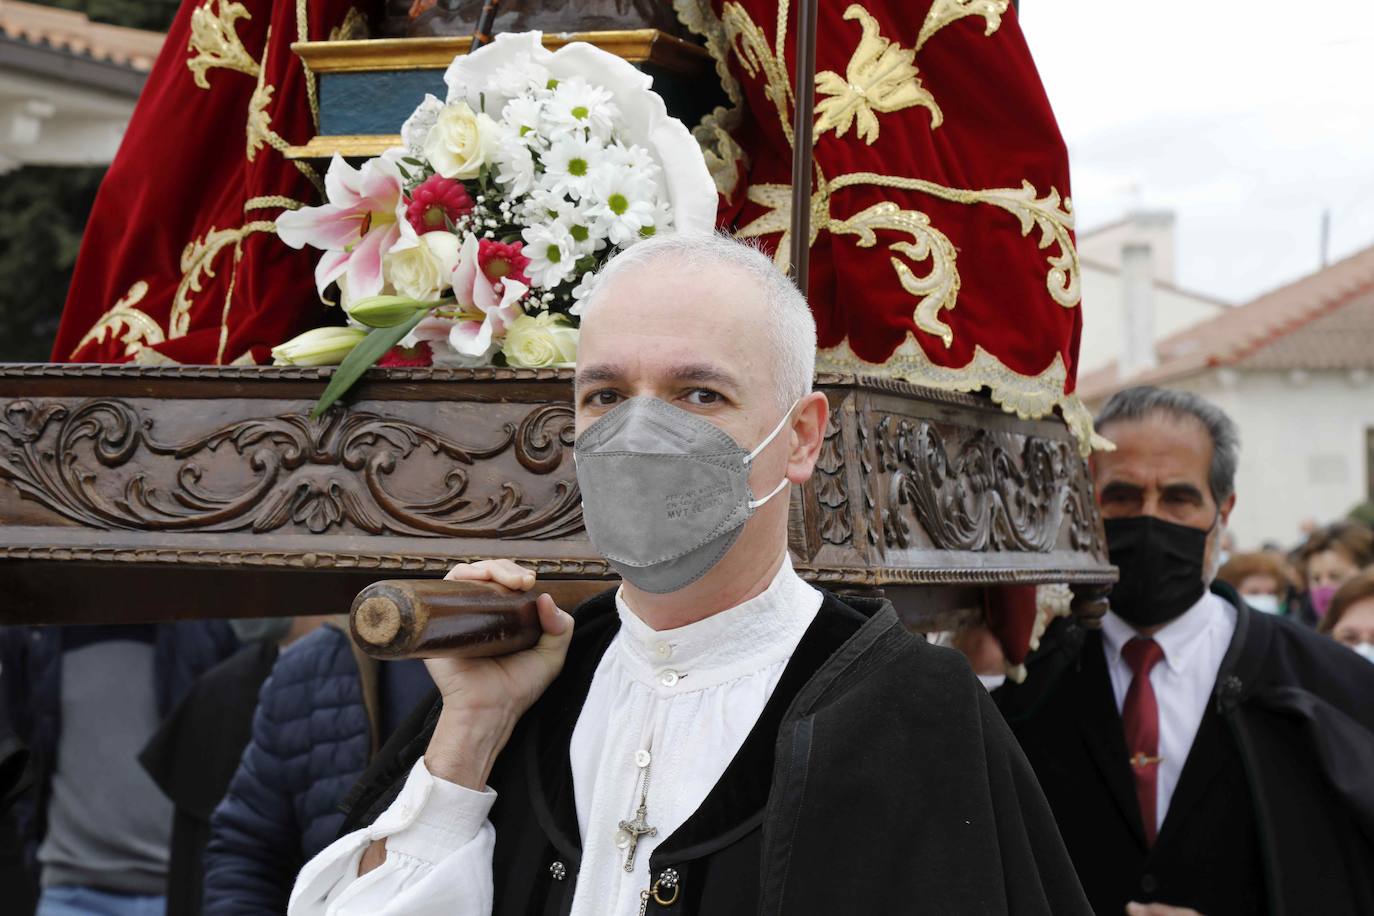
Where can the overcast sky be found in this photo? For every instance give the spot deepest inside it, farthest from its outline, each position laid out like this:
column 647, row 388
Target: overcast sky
column 1245, row 119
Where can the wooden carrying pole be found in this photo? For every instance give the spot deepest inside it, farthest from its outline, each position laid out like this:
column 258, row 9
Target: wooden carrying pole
column 802, row 120
column 421, row 618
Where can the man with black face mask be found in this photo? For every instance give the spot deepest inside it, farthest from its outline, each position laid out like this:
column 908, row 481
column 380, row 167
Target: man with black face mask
column 1200, row 757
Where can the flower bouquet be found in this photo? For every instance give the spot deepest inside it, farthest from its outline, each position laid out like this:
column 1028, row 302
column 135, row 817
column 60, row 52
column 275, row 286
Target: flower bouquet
column 476, row 241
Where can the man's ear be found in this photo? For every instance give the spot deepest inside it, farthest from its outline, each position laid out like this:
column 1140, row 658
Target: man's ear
column 808, row 432
column 1227, row 508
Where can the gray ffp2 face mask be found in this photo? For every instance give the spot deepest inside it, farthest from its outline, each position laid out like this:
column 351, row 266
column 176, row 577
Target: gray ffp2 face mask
column 665, row 493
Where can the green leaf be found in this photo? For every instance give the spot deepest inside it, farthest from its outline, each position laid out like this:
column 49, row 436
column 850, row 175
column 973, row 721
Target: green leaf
column 363, row 357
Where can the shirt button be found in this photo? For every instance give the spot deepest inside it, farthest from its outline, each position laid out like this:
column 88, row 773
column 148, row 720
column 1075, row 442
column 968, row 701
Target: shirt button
column 1149, row 884
column 558, row 870
column 642, row 758
column 668, row 678
column 663, row 650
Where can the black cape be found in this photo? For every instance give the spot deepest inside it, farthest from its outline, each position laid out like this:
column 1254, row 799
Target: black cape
column 193, row 756
column 1279, row 783
column 879, row 778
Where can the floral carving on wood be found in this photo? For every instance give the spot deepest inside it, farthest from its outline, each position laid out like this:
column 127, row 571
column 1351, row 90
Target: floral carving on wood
column 317, row 475
column 980, row 490
column 835, row 524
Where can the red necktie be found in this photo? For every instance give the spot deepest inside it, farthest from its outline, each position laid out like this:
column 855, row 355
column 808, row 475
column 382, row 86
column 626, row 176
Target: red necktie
column 1140, row 716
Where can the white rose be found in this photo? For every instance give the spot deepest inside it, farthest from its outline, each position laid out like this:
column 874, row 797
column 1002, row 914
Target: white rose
column 535, row 341
column 423, row 271
column 461, row 141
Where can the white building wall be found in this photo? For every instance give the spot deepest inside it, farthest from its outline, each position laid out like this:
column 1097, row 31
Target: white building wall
column 1303, row 447
column 1104, row 315
column 1155, row 229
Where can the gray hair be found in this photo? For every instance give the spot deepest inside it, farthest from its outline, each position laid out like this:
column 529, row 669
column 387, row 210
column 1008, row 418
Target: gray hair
column 791, row 327
column 1140, row 402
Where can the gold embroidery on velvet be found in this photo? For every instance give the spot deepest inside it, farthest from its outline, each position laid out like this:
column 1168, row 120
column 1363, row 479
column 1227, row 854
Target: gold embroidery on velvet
column 725, row 159
column 1028, row 396
column 943, row 12
column 939, row 289
column 153, row 358
column 780, row 32
column 271, row 202
column 139, row 328
column 756, row 57
column 880, row 77
column 197, row 262
column 698, row 16
column 778, row 219
column 259, row 127
column 1051, row 214
column 215, row 41
column 228, row 302
column 353, row 27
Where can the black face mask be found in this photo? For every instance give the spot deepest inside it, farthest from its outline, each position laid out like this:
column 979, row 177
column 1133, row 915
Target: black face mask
column 1161, row 568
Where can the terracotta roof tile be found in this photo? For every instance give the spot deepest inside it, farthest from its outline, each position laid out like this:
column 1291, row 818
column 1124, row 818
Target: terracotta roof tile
column 72, row 32
column 1322, row 321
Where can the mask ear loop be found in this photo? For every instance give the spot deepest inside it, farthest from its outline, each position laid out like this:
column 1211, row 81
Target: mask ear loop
column 773, row 435
column 782, row 484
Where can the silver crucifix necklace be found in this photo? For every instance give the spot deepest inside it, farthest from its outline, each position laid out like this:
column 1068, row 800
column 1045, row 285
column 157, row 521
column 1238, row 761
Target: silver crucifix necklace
column 627, row 837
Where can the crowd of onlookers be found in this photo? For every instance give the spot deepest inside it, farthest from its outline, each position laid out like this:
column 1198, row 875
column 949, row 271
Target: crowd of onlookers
column 184, row 767
column 1327, row 582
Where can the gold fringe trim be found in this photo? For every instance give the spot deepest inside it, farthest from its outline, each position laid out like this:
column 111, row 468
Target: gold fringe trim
column 1031, row 397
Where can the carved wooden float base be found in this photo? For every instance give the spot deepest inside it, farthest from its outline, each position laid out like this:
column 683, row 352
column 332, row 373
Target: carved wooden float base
column 131, row 493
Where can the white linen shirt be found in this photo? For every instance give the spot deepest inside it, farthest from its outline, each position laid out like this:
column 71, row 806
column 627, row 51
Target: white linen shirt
column 688, row 697
column 1194, row 645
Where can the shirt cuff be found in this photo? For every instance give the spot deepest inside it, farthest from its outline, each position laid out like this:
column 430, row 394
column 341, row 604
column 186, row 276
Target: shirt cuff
column 433, row 817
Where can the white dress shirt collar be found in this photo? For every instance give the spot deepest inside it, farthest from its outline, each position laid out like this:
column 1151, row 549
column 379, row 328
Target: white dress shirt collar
column 1178, row 638
column 728, row 644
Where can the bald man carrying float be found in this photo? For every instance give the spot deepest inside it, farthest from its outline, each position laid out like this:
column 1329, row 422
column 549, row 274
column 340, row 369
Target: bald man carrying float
column 716, row 736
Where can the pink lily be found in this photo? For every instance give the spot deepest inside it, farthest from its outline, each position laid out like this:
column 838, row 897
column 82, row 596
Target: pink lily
column 356, row 227
column 484, row 307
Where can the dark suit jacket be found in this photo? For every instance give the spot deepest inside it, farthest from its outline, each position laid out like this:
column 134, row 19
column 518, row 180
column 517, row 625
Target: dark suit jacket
column 1274, row 811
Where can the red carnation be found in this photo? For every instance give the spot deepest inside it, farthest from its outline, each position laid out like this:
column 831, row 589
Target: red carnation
column 401, row 357
column 499, row 261
column 435, row 199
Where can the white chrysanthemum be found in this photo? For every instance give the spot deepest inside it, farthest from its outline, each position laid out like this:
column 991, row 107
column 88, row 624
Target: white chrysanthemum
column 569, row 165
column 515, row 166
column 522, row 75
column 576, row 104
column 632, row 157
column 541, row 206
column 660, row 221
column 581, row 224
column 624, row 204
column 581, row 291
column 551, row 250
column 524, row 115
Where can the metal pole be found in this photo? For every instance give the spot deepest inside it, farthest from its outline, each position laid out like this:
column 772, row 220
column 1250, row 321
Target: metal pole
column 485, row 20
column 802, row 119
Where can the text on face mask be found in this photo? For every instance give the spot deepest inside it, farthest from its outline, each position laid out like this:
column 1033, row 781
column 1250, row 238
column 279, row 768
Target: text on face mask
column 694, row 502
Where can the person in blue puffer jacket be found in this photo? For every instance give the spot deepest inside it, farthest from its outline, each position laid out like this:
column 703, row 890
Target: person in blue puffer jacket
column 321, row 716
